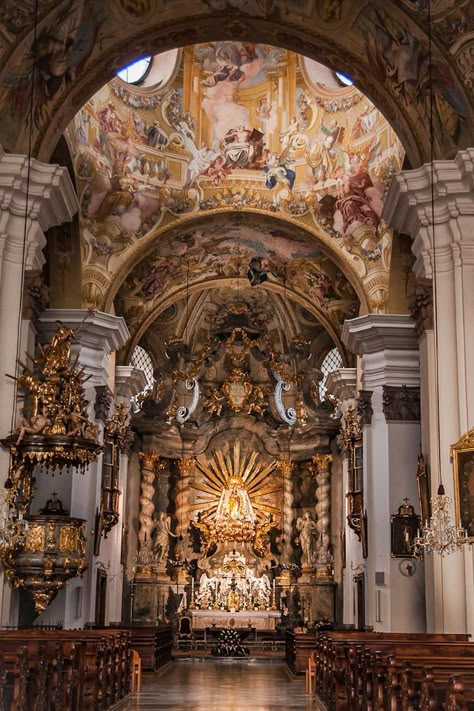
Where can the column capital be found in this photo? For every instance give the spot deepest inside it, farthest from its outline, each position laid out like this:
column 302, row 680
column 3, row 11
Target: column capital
column 52, row 201
column 129, row 381
column 321, row 462
column 99, row 336
column 389, row 347
column 408, row 209
column 150, row 461
column 342, row 384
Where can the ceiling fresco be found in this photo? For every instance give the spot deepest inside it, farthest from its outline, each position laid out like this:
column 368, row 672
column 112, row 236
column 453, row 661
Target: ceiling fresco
column 205, row 259
column 240, row 127
column 382, row 45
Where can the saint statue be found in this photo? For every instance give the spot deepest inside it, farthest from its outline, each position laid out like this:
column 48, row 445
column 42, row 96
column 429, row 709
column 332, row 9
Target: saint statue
column 307, row 526
column 235, row 504
column 161, row 545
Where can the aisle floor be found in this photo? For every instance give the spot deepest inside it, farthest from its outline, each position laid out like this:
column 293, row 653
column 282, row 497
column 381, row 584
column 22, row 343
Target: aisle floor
column 222, row 685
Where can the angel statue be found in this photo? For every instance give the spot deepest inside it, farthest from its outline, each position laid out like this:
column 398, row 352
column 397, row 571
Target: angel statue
column 307, row 526
column 161, row 544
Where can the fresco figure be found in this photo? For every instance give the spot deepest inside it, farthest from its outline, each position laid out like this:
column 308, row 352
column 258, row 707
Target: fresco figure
column 276, row 172
column 358, row 200
column 156, row 137
column 326, row 157
column 237, row 147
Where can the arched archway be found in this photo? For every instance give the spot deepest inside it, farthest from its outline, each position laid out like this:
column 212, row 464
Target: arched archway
column 372, row 44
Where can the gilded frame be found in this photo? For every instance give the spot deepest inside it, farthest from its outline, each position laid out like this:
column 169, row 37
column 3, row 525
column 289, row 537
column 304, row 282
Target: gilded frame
column 462, row 455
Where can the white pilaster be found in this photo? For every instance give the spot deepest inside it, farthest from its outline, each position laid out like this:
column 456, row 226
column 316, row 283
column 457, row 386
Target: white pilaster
column 448, row 350
column 342, row 384
column 129, row 381
column 389, row 349
column 51, row 201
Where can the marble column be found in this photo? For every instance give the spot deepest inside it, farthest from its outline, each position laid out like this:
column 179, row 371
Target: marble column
column 324, row 563
column 99, row 337
column 342, row 384
column 186, row 469
column 149, row 462
column 390, row 369
column 446, row 348
column 286, row 467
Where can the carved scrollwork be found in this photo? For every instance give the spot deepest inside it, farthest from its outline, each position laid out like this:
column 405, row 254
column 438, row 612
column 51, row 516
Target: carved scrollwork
column 184, row 413
column 288, row 415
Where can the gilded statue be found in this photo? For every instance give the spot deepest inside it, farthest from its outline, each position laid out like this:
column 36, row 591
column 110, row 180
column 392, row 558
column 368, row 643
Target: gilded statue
column 57, row 354
column 261, row 540
column 54, row 393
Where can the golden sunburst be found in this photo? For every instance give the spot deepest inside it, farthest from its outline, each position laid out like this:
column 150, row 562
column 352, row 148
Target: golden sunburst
column 230, row 467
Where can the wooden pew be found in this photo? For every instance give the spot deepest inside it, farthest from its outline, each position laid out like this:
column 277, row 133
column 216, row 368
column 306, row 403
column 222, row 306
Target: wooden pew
column 67, row 669
column 350, row 671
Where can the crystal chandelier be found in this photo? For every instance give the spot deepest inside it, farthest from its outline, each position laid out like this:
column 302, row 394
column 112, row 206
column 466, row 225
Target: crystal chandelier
column 439, row 535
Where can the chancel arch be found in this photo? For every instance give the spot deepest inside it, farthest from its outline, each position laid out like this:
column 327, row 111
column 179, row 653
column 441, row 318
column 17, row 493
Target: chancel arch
column 240, row 383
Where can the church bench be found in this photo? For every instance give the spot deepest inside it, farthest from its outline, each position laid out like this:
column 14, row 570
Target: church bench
column 154, row 643
column 394, row 684
column 298, row 647
column 88, row 669
column 46, row 671
column 344, row 661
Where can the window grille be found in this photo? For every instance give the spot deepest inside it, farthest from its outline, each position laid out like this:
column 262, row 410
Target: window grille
column 332, row 361
column 141, row 359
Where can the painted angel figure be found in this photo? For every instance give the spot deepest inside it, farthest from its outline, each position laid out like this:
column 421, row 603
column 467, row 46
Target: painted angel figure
column 161, row 545
column 307, row 527
column 326, row 156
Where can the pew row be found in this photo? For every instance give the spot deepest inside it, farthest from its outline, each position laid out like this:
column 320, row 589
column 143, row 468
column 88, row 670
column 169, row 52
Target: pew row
column 359, row 671
column 63, row 669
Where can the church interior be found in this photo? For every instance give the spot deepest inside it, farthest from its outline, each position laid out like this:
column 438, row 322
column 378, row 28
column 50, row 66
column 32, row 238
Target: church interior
column 236, row 297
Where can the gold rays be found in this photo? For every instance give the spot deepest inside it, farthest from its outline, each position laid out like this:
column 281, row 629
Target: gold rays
column 232, row 462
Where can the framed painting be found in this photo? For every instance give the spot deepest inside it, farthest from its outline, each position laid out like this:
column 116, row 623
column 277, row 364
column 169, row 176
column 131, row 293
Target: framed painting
column 462, row 454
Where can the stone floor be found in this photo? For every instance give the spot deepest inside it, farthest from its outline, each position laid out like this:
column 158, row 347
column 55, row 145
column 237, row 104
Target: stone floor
column 222, row 685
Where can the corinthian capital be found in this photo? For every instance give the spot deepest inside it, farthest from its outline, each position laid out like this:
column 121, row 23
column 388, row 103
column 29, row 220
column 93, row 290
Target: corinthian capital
column 285, row 466
column 186, row 466
column 149, row 460
column 321, row 462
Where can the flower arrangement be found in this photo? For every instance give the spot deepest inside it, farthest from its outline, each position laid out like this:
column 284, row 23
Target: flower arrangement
column 229, row 644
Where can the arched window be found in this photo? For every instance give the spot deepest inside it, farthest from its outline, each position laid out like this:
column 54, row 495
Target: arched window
column 141, row 359
column 136, row 71
column 332, row 361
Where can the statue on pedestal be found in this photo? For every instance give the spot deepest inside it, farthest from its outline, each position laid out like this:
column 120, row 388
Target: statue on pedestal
column 307, row 527
column 161, row 542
